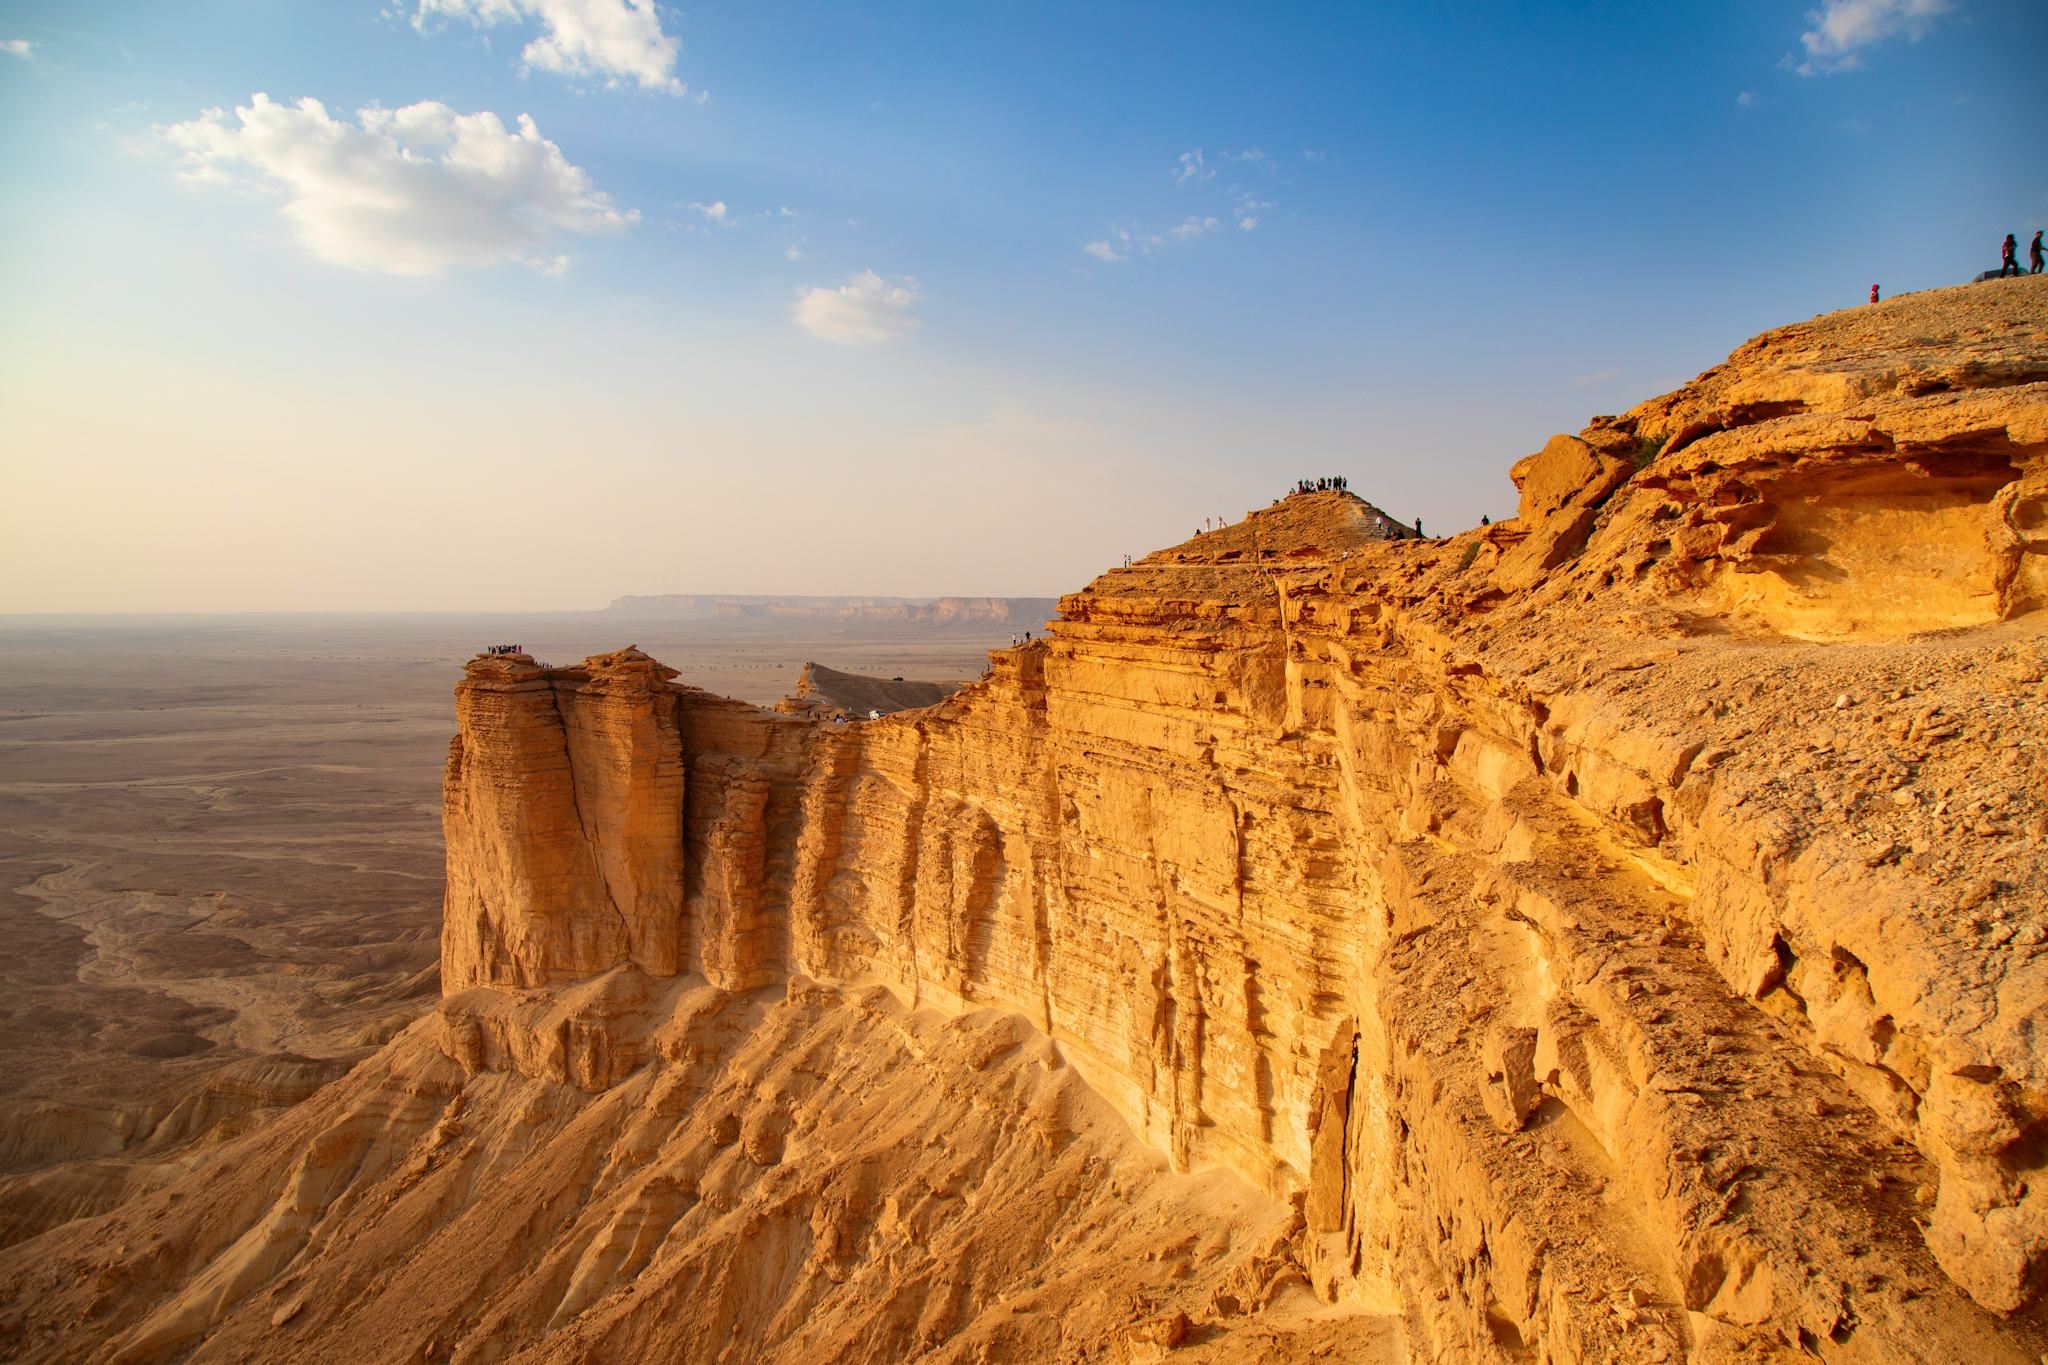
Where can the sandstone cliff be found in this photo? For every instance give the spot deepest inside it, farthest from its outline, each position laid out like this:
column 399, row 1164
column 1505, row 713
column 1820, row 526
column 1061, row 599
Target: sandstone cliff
column 1619, row 934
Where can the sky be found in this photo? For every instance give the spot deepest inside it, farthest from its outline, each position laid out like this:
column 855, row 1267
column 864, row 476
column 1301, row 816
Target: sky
column 527, row 304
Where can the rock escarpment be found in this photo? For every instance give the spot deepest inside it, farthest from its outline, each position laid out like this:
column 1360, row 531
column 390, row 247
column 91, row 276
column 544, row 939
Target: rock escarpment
column 1618, row 934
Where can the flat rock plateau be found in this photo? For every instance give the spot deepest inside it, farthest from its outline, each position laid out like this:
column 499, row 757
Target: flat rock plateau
column 1615, row 934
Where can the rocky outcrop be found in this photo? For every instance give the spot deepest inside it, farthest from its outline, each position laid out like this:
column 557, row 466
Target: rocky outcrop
column 1616, row 934
column 829, row 693
column 564, row 828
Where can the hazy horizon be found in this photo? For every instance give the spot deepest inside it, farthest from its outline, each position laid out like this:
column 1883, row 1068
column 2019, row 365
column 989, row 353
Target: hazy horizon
column 462, row 612
column 511, row 306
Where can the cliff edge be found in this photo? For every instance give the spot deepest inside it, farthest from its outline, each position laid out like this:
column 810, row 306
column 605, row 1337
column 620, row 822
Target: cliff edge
column 1617, row 934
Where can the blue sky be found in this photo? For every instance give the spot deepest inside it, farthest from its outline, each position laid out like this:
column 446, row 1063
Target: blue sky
column 910, row 299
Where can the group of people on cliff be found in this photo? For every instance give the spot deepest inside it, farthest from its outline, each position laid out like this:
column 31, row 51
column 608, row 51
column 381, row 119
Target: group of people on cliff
column 1334, row 483
column 504, row 649
column 2009, row 255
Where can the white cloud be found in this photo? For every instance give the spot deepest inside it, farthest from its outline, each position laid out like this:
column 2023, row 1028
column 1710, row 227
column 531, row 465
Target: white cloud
column 1747, row 99
column 618, row 40
column 1192, row 167
column 408, row 191
column 1121, row 243
column 1843, row 28
column 793, row 252
column 714, row 211
column 18, row 47
column 865, row 308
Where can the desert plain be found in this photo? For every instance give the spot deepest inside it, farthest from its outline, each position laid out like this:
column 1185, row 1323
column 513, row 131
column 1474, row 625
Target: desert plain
column 221, row 860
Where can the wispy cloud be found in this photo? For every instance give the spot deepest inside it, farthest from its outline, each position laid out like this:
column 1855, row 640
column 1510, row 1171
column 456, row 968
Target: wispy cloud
column 407, row 191
column 714, row 212
column 615, row 40
column 1747, row 99
column 1229, row 203
column 18, row 47
column 1597, row 377
column 1122, row 242
column 1243, row 206
column 1115, row 247
column 866, row 308
column 1842, row 29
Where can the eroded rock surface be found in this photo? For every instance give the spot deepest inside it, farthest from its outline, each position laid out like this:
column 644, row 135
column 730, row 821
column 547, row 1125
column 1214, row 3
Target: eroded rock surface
column 1619, row 934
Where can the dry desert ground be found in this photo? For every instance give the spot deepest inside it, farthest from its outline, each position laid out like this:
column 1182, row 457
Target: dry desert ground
column 221, row 864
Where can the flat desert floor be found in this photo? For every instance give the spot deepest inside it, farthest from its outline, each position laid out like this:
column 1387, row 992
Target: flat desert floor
column 220, row 857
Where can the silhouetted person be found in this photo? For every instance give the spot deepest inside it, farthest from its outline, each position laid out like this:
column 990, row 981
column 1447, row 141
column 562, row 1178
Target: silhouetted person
column 1418, row 528
column 1485, row 520
column 2009, row 259
column 2034, row 255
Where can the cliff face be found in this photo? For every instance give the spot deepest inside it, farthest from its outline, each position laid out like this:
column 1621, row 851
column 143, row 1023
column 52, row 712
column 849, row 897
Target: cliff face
column 563, row 808
column 1620, row 933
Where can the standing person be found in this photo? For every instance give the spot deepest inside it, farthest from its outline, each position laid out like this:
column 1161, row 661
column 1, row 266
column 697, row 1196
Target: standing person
column 1873, row 293
column 2034, row 254
column 2009, row 257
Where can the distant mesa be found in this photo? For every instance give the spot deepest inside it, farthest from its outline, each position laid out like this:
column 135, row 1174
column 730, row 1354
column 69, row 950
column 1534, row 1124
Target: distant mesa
column 1025, row 612
column 828, row 694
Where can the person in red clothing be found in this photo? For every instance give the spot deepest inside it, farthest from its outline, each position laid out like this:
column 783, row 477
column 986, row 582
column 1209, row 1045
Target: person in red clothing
column 2009, row 257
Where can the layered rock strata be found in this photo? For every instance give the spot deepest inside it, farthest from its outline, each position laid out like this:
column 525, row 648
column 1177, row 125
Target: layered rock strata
column 1619, row 933
column 1273, row 834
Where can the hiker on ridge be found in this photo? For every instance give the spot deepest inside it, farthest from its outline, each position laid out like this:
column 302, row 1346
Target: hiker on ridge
column 2034, row 255
column 2008, row 261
